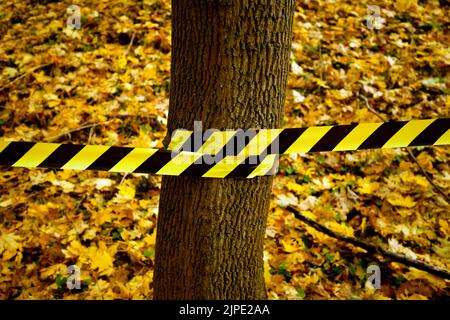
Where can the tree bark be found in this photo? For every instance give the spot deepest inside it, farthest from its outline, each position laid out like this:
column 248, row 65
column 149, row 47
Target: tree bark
column 230, row 64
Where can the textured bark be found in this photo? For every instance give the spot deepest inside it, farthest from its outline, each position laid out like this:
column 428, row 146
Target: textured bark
column 230, row 63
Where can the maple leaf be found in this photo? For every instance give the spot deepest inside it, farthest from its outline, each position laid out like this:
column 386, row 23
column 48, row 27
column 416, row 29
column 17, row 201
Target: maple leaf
column 53, row 271
column 396, row 199
column 101, row 258
column 9, row 245
column 366, row 186
column 126, row 192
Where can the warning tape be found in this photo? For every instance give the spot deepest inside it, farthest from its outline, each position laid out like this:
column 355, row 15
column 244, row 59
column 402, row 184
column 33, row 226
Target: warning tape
column 126, row 160
column 223, row 154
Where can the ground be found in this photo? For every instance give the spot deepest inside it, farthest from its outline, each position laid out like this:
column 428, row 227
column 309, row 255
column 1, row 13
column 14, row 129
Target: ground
column 108, row 83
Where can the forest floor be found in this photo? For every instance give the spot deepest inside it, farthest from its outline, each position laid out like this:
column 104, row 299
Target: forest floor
column 107, row 83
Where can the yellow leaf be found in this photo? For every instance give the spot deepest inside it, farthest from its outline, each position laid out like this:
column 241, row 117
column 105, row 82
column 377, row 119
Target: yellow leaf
column 366, row 186
column 101, row 259
column 321, row 83
column 143, row 140
column 150, row 239
column 341, row 228
column 75, row 249
column 9, row 245
column 408, row 176
column 404, row 5
column 100, row 290
column 289, row 245
column 296, row 188
column 397, row 199
column 150, row 71
column 121, row 63
column 6, row 203
column 433, row 280
column 309, row 214
column 445, row 227
column 53, row 271
column 101, row 216
column 126, row 191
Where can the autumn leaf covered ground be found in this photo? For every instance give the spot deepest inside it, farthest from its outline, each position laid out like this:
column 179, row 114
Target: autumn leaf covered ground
column 108, row 83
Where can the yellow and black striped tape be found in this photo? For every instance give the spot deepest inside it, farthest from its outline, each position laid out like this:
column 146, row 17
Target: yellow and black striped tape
column 320, row 138
column 226, row 154
column 128, row 159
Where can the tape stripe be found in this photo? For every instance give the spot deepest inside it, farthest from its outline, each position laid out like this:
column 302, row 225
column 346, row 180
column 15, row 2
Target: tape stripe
column 220, row 143
column 270, row 156
column 407, row 133
column 132, row 161
column 332, row 138
column 155, row 162
column 14, row 151
column 356, row 137
column 245, row 168
column 38, row 153
column 178, row 164
column 110, row 158
column 286, row 138
column 308, row 139
column 381, row 135
column 444, row 139
column 61, row 156
column 223, row 168
column 431, row 134
column 3, row 145
column 265, row 167
column 83, row 159
column 197, row 170
column 275, row 166
column 261, row 142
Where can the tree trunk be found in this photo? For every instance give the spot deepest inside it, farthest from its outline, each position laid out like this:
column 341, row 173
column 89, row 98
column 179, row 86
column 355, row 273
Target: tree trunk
column 230, row 64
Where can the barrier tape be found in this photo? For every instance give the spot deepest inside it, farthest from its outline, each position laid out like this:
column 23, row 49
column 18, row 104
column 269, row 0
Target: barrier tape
column 217, row 154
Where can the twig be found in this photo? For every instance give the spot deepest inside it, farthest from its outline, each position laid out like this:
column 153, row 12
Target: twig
column 80, row 203
column 131, row 43
column 411, row 155
column 372, row 109
column 428, row 176
column 75, row 130
column 123, row 178
column 421, row 265
column 91, row 132
column 321, row 62
column 321, row 71
column 24, row 74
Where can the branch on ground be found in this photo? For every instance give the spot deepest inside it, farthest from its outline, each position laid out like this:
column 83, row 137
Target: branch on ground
column 395, row 257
